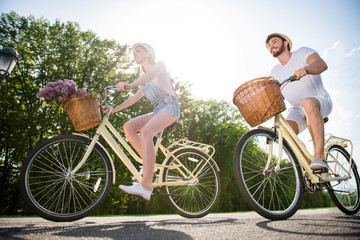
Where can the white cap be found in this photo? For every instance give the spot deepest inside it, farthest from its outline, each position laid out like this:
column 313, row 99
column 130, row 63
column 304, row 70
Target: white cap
column 146, row 46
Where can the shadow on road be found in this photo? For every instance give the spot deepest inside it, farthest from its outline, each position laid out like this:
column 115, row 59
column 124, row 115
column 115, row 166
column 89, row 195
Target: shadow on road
column 127, row 230
column 345, row 226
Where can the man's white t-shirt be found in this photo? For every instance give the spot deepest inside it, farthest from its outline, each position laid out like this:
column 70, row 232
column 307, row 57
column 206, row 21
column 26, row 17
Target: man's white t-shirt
column 307, row 86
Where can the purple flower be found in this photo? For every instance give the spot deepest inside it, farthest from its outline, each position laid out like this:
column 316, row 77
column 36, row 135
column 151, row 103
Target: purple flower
column 60, row 91
column 81, row 93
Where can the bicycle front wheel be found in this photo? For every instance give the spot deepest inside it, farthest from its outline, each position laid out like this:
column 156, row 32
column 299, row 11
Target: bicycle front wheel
column 49, row 189
column 344, row 193
column 275, row 193
column 196, row 199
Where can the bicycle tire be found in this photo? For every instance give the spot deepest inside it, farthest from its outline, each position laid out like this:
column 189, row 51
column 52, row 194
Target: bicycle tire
column 192, row 200
column 273, row 195
column 346, row 193
column 51, row 193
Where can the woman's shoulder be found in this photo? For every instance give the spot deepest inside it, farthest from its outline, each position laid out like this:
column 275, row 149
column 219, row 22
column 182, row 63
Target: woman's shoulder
column 160, row 64
column 159, row 67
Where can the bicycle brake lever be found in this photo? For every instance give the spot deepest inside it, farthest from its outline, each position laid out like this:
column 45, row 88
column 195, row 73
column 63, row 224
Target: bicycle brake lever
column 289, row 79
column 292, row 78
column 110, row 87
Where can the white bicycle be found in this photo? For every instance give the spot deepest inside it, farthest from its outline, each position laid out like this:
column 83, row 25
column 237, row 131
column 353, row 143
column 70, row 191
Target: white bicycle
column 272, row 170
column 67, row 177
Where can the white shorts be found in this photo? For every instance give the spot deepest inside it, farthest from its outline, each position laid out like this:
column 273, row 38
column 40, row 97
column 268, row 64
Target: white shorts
column 296, row 114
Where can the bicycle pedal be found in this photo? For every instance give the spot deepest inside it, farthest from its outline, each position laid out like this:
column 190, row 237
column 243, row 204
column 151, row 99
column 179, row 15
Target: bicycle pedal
column 320, row 171
column 321, row 186
column 157, row 190
column 322, row 175
column 136, row 198
column 160, row 192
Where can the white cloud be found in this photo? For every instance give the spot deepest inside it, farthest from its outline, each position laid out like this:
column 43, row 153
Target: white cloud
column 342, row 80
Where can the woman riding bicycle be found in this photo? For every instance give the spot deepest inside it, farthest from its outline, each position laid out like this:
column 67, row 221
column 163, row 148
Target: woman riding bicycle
column 157, row 88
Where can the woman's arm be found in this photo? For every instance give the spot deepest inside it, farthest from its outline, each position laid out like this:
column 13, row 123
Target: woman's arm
column 130, row 101
column 157, row 69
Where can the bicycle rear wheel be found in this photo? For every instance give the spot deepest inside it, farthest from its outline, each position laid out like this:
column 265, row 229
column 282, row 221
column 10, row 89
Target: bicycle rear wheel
column 199, row 198
column 345, row 193
column 274, row 194
column 49, row 190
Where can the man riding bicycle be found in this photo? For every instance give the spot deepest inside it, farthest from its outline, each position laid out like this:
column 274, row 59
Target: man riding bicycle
column 310, row 102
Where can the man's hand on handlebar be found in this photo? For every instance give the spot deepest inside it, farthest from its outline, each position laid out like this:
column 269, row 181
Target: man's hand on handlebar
column 289, row 79
column 301, row 72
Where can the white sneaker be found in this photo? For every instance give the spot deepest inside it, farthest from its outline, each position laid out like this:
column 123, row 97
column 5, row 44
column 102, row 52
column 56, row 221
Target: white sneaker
column 137, row 189
column 318, row 163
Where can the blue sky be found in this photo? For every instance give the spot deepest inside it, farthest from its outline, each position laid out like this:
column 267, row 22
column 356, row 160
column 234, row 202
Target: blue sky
column 218, row 45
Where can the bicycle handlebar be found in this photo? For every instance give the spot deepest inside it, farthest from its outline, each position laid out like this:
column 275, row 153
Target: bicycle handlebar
column 105, row 90
column 103, row 103
column 289, row 79
column 110, row 87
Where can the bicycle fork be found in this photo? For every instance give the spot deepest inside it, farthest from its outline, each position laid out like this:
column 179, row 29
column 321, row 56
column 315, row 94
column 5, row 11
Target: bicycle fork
column 270, row 142
column 88, row 150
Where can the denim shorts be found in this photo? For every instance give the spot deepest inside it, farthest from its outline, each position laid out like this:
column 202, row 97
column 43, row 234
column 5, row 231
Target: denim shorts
column 297, row 115
column 169, row 104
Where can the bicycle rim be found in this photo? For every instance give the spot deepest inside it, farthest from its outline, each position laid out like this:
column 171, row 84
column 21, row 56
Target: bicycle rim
column 196, row 199
column 49, row 189
column 274, row 194
column 345, row 193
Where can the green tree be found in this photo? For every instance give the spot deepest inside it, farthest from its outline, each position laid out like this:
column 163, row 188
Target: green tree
column 52, row 51
column 48, row 52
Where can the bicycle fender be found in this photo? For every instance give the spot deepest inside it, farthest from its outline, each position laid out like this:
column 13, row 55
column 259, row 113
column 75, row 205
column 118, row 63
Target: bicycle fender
column 329, row 145
column 209, row 157
column 103, row 148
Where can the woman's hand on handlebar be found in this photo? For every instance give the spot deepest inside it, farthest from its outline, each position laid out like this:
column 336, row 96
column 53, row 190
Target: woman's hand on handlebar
column 123, row 86
column 106, row 109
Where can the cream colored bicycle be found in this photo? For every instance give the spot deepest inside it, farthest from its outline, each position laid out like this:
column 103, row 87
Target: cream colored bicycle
column 67, row 177
column 270, row 165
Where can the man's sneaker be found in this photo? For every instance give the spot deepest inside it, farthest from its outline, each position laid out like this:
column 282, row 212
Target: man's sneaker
column 137, row 189
column 318, row 163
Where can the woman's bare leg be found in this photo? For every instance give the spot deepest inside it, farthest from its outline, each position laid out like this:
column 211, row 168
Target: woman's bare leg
column 133, row 127
column 154, row 126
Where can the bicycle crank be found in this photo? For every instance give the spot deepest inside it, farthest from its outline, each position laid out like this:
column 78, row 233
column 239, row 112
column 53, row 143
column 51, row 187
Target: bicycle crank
column 311, row 188
column 136, row 198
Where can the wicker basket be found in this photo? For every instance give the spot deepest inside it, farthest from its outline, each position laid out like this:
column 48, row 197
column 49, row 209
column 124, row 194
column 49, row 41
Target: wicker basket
column 258, row 100
column 84, row 112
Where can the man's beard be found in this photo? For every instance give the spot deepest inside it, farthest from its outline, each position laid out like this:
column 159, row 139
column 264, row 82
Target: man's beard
column 280, row 51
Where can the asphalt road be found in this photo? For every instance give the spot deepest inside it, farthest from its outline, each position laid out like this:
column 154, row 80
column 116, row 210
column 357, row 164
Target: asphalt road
column 305, row 224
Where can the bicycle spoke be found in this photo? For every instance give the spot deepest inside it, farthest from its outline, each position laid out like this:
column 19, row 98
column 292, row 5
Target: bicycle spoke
column 272, row 192
column 54, row 191
column 197, row 198
column 344, row 193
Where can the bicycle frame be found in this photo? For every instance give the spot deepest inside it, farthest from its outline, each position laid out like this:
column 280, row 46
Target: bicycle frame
column 284, row 131
column 106, row 129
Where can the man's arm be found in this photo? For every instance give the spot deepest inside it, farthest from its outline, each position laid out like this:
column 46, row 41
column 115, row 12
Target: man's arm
column 316, row 65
